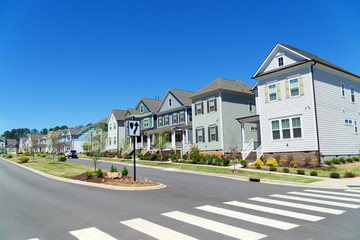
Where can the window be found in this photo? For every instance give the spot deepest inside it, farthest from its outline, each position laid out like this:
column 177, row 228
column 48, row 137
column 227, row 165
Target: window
column 211, row 104
column 250, row 106
column 289, row 128
column 294, row 87
column 182, row 117
column 109, row 141
column 348, row 122
column 200, row 135
column 170, row 102
column 166, row 121
column 175, row 118
column 275, row 129
column 199, row 108
column 110, row 127
column 213, row 133
column 141, row 108
column 190, row 117
column 343, row 90
column 114, row 140
column 160, row 122
column 280, row 61
column 114, row 126
column 352, row 91
column 355, row 126
column 272, row 92
column 253, row 129
column 285, row 126
column 146, row 123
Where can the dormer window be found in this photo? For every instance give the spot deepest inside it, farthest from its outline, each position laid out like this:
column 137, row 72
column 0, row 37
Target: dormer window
column 170, row 102
column 280, row 61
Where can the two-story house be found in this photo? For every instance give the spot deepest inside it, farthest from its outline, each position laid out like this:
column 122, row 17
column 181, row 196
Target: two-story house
column 174, row 118
column 2, row 144
column 116, row 129
column 215, row 108
column 307, row 106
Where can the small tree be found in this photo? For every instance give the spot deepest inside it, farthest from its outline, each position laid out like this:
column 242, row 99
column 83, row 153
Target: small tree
column 33, row 145
column 233, row 148
column 54, row 142
column 97, row 142
column 123, row 145
column 160, row 143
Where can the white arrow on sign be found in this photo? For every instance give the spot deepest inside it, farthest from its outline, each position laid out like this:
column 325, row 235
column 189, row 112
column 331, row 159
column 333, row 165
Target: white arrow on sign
column 134, row 128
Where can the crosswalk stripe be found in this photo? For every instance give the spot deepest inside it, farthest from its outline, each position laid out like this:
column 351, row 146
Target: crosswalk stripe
column 298, row 205
column 248, row 217
column 218, row 227
column 325, row 196
column 277, row 211
column 155, row 230
column 352, row 190
column 91, row 234
column 332, row 193
column 339, row 204
column 34, row 239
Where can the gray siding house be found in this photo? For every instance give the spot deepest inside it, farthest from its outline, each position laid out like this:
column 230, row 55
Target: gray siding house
column 215, row 108
column 306, row 106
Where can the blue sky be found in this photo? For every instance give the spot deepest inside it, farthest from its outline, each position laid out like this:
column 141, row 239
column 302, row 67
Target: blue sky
column 70, row 62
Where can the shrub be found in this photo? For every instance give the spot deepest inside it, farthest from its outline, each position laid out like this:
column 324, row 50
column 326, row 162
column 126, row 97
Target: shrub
column 244, row 163
column 313, row 173
column 272, row 168
column 226, row 162
column 9, row 156
column 328, row 162
column 113, row 169
column 173, row 157
column 286, row 170
column 186, row 161
column 349, row 160
column 300, row 171
column 99, row 172
column 172, row 151
column 24, row 159
column 259, row 162
column 331, row 168
column 128, row 156
column 356, row 159
column 210, row 160
column 271, row 162
column 289, row 160
column 119, row 155
column 62, row 158
column 195, row 158
column 342, row 160
column 88, row 175
column 166, row 157
column 124, row 171
column 334, row 175
column 258, row 166
column 184, row 156
column 349, row 174
column 153, row 156
column 336, row 161
column 291, row 164
column 217, row 162
column 295, row 165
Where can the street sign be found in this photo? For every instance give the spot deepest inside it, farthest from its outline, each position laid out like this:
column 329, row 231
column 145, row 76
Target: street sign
column 134, row 128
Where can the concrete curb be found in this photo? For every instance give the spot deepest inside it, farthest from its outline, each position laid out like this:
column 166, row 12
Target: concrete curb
column 98, row 185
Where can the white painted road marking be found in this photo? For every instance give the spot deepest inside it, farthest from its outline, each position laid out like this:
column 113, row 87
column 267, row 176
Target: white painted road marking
column 248, row 217
column 277, row 211
column 298, row 205
column 91, row 234
column 325, row 196
column 352, row 190
column 333, row 193
column 339, row 204
column 218, row 227
column 155, row 230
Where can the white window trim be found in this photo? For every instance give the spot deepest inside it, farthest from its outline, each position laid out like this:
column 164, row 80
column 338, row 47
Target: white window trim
column 212, row 99
column 203, row 134
column 146, row 123
column 213, row 126
column 352, row 87
column 197, row 108
column 162, row 121
column 270, row 84
column 180, row 117
column 170, row 102
column 291, row 129
column 356, row 127
column 342, row 92
column 348, row 123
column 298, row 86
column 177, row 118
column 283, row 60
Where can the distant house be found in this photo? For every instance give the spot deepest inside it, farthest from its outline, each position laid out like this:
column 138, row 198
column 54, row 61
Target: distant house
column 116, row 129
column 11, row 146
column 36, row 143
column 2, row 144
column 306, row 106
column 174, row 118
column 215, row 108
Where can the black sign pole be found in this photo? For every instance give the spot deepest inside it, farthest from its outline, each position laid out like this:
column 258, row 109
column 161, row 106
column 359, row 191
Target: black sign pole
column 134, row 159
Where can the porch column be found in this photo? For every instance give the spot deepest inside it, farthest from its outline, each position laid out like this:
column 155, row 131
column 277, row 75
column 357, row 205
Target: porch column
column 183, row 137
column 242, row 134
column 142, row 140
column 148, row 142
column 173, row 144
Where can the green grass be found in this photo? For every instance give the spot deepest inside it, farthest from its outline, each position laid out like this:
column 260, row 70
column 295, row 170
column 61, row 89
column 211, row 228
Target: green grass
column 62, row 169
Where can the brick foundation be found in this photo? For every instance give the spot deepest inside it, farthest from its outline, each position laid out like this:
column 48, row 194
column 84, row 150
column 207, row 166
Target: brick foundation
column 298, row 157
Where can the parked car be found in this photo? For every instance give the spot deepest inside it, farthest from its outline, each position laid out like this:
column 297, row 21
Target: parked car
column 71, row 154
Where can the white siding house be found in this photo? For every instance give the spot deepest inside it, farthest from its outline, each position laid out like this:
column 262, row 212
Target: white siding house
column 306, row 106
column 116, row 130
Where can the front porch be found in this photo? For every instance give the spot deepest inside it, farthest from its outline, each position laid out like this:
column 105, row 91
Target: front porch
column 252, row 148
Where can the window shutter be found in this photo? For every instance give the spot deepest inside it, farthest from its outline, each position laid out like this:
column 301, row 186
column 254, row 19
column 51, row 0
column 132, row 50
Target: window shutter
column 203, row 132
column 208, row 107
column 217, row 135
column 266, row 90
column 209, row 134
column 215, row 104
column 301, row 85
column 202, row 107
column 287, row 88
column 195, row 109
column 278, row 91
column 197, row 139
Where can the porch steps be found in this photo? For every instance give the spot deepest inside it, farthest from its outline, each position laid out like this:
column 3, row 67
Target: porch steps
column 251, row 157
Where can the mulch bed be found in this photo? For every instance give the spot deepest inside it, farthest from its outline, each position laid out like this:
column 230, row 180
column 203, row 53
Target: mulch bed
column 116, row 182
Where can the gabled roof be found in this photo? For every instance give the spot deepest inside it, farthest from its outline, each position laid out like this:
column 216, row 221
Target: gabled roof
column 118, row 114
column 308, row 57
column 101, row 121
column 36, row 136
column 132, row 111
column 151, row 104
column 12, row 142
column 182, row 95
column 224, row 84
column 75, row 131
column 2, row 139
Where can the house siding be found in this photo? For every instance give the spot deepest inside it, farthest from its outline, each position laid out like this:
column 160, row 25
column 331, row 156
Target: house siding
column 175, row 103
column 289, row 58
column 335, row 137
column 302, row 106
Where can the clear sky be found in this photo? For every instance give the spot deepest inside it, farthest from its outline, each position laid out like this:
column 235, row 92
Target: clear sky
column 70, row 62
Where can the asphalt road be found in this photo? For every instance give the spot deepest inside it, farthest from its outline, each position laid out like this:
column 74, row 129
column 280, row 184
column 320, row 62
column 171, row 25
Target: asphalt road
column 32, row 206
